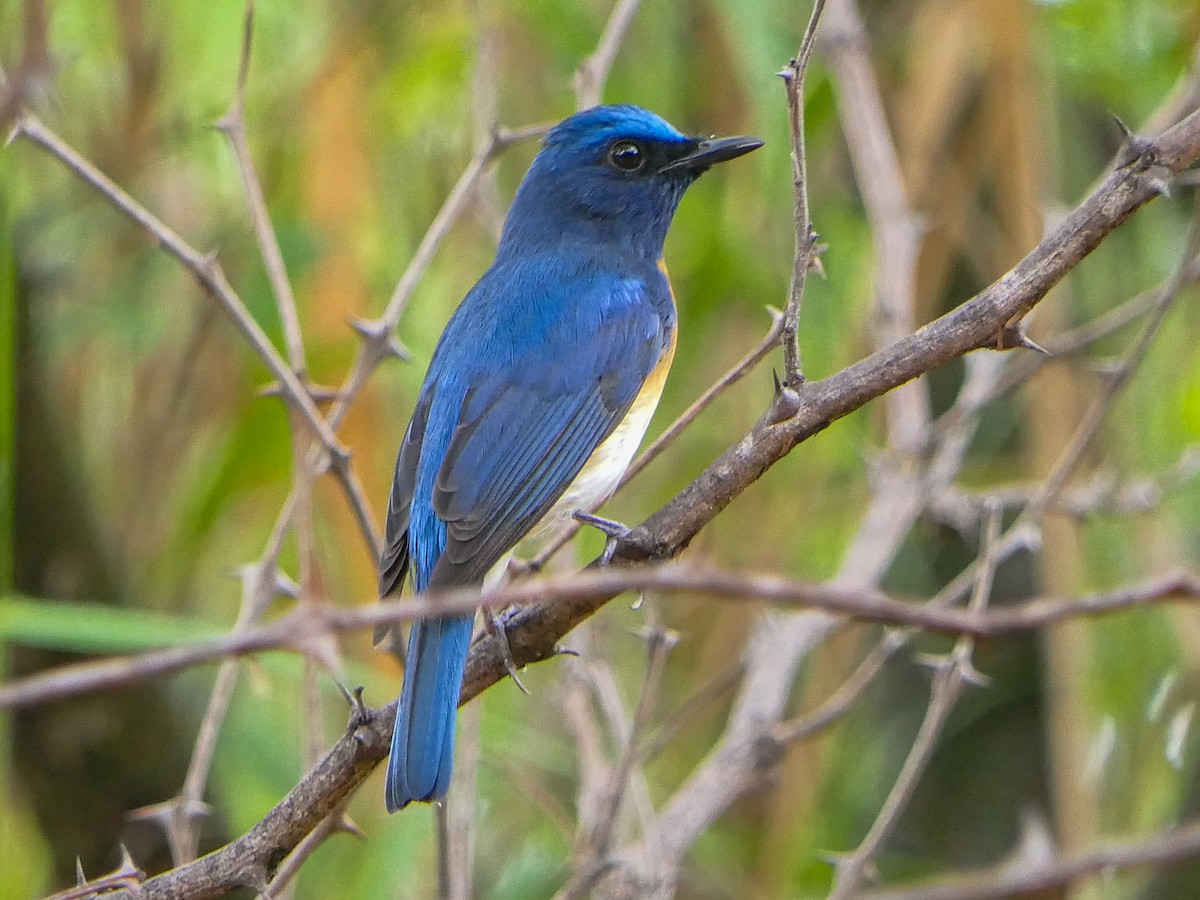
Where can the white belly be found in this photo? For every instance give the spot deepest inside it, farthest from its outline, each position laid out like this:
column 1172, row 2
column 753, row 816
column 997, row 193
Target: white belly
column 602, row 472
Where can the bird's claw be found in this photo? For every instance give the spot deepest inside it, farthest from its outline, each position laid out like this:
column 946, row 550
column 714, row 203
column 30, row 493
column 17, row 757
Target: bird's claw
column 495, row 626
column 615, row 531
column 360, row 713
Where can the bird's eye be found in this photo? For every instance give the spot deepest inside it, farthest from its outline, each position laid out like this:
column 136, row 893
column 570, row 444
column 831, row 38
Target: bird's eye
column 626, row 156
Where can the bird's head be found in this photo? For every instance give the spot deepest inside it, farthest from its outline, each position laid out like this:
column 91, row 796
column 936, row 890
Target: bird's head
column 611, row 174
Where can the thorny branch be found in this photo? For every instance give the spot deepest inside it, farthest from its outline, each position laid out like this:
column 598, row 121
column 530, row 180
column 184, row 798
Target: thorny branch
column 589, row 587
column 1037, row 878
column 805, row 255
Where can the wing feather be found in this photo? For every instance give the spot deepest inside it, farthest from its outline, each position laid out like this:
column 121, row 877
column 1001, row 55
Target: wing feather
column 517, row 398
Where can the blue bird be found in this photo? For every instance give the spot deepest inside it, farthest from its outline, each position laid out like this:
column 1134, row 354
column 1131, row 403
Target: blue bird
column 539, row 391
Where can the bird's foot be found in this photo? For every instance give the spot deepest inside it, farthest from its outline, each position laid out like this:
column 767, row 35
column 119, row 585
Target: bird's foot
column 615, row 531
column 360, row 713
column 498, row 630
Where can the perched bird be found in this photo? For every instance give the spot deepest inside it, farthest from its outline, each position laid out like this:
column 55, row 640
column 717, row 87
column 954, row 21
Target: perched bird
column 539, row 391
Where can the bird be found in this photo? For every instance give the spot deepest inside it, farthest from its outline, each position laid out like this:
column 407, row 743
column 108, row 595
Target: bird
column 538, row 392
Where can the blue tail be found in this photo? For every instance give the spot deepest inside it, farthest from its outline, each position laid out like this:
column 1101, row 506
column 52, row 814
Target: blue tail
column 423, row 741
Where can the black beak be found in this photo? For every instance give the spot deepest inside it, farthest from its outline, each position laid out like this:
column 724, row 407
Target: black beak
column 712, row 151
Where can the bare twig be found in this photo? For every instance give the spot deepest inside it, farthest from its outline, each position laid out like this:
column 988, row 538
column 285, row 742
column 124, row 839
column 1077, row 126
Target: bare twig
column 592, row 73
column 1040, row 878
column 895, row 228
column 598, row 839
column 259, row 587
column 233, row 124
column 206, row 270
column 378, row 340
column 840, row 702
column 1023, row 530
column 805, row 256
column 332, row 824
column 295, row 629
column 950, row 675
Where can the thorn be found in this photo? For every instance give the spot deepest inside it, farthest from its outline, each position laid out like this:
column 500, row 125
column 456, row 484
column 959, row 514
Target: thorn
column 615, row 530
column 832, row 858
column 13, row 133
column 360, row 713
column 565, row 651
column 285, row 586
column 1133, row 147
column 1028, row 537
column 80, row 878
column 775, row 379
column 518, row 569
column 397, row 349
column 971, row 675
column 322, row 393
column 815, row 262
column 349, row 826
column 785, row 405
column 1126, row 133
column 367, row 329
column 373, row 331
column 664, row 637
column 1159, row 184
column 129, row 869
column 1013, row 335
column 496, row 627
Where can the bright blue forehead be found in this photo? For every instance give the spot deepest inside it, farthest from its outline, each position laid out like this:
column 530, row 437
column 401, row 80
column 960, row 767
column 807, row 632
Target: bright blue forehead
column 596, row 127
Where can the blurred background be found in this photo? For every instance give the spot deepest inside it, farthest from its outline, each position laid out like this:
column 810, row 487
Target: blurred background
column 140, row 467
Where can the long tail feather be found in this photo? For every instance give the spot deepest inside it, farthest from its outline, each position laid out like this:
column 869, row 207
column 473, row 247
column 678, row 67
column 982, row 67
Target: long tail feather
column 423, row 741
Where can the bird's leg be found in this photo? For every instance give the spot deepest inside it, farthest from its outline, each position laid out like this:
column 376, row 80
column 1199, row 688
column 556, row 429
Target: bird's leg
column 498, row 630
column 615, row 531
column 360, row 713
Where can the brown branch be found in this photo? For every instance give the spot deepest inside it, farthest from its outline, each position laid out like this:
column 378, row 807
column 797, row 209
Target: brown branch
column 593, row 72
column 378, row 340
column 805, row 254
column 1040, row 878
column 205, row 269
column 233, row 124
column 950, row 676
column 248, row 860
column 895, row 228
column 295, row 629
column 598, row 838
